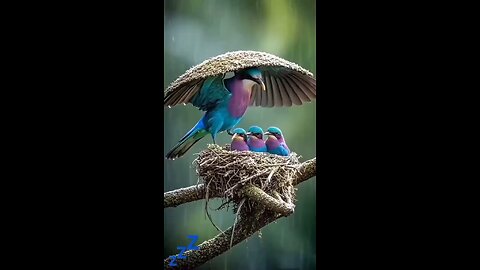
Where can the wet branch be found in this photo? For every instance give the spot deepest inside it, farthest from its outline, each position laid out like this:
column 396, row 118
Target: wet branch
column 183, row 195
column 274, row 204
column 174, row 198
column 214, row 247
column 247, row 225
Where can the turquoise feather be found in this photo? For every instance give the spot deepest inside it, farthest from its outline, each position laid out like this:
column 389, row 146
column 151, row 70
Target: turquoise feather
column 276, row 142
column 255, row 139
column 225, row 102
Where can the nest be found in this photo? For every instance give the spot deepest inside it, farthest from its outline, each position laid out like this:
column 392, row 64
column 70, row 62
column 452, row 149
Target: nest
column 225, row 172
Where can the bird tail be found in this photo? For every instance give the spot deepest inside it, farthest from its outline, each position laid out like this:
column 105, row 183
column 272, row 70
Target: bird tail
column 188, row 140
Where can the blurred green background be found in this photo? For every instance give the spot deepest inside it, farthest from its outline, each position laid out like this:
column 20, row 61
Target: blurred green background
column 194, row 31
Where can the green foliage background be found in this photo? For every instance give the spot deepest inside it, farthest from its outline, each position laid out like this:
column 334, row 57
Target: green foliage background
column 196, row 30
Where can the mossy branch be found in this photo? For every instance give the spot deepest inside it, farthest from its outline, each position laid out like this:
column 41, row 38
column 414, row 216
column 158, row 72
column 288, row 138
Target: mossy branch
column 274, row 204
column 306, row 170
column 248, row 224
column 221, row 243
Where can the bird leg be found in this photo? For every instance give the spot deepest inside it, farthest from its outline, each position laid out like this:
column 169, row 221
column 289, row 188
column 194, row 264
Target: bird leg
column 215, row 126
column 213, row 137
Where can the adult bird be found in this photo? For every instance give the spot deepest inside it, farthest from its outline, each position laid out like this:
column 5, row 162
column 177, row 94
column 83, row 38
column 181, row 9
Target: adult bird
column 224, row 86
column 255, row 139
column 239, row 140
column 276, row 142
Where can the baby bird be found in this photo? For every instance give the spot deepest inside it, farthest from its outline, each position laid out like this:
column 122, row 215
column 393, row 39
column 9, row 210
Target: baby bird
column 255, row 139
column 239, row 140
column 276, row 143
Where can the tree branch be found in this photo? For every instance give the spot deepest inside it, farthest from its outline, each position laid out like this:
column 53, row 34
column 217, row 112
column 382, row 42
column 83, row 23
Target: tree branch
column 306, row 170
column 183, row 195
column 221, row 243
column 276, row 205
column 246, row 227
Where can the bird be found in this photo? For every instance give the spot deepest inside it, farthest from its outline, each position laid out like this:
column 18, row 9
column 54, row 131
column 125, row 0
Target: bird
column 225, row 101
column 226, row 85
column 239, row 140
column 276, row 142
column 255, row 139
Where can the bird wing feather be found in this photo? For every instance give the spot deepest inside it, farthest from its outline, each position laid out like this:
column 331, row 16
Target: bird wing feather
column 286, row 83
column 284, row 87
column 212, row 92
column 204, row 93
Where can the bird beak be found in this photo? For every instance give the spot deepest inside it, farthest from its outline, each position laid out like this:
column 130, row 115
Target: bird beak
column 234, row 136
column 267, row 133
column 260, row 82
column 249, row 133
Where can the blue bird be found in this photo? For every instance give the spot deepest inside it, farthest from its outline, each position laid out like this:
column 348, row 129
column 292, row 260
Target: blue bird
column 225, row 102
column 226, row 85
column 276, row 142
column 239, row 140
column 255, row 139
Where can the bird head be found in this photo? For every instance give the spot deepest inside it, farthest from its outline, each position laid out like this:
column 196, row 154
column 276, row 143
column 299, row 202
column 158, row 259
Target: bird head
column 239, row 133
column 253, row 74
column 274, row 131
column 256, row 131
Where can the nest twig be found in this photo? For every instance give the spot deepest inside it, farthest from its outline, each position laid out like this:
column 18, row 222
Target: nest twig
column 232, row 61
column 226, row 172
column 243, row 227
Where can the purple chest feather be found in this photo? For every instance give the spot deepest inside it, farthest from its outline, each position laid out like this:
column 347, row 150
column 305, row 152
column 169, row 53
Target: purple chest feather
column 240, row 100
column 239, row 145
column 256, row 142
column 272, row 143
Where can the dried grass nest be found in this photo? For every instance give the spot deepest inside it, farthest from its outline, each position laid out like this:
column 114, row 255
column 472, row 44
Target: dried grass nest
column 232, row 61
column 225, row 172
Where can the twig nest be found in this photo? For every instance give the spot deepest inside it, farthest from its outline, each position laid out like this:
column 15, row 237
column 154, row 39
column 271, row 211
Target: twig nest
column 232, row 61
column 225, row 172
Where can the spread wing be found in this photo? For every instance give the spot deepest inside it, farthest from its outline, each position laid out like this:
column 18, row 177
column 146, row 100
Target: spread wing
column 284, row 87
column 202, row 93
column 286, row 83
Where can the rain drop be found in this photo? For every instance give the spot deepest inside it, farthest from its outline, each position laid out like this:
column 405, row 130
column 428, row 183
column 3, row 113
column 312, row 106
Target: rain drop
column 169, row 106
column 184, row 104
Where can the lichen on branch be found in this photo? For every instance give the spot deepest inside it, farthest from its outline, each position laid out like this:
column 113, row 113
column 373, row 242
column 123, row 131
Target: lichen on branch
column 266, row 182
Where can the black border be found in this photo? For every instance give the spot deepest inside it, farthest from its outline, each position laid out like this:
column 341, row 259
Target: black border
column 95, row 76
